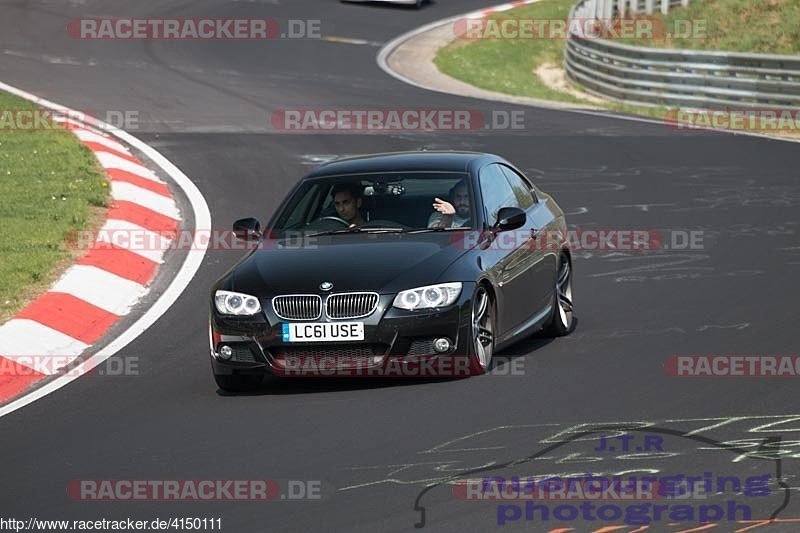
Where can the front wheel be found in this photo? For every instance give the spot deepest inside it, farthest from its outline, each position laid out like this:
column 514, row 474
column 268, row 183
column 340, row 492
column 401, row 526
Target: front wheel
column 238, row 382
column 563, row 321
column 482, row 331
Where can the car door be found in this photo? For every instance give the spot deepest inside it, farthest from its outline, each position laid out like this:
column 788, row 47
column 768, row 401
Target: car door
column 507, row 252
column 541, row 258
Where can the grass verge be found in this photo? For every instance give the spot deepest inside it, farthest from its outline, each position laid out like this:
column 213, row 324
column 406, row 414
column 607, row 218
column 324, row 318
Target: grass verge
column 50, row 186
column 763, row 27
column 509, row 65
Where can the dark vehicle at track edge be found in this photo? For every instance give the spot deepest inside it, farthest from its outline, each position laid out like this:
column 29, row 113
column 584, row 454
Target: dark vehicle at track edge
column 384, row 274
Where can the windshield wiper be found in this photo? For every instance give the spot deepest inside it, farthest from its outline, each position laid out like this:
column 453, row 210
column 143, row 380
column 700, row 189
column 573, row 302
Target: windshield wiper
column 357, row 230
column 427, row 230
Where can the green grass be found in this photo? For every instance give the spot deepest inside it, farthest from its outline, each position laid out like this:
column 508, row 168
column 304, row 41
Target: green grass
column 50, row 186
column 508, row 65
column 758, row 26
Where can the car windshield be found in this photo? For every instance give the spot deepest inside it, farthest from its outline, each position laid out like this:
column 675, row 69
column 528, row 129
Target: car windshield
column 385, row 202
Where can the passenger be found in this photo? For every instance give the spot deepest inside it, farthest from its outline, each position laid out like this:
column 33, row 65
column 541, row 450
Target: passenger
column 452, row 214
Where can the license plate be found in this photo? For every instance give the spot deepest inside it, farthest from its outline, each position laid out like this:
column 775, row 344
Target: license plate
column 323, row 331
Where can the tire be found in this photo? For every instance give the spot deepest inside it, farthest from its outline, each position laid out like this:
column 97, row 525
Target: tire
column 563, row 320
column 482, row 331
column 238, row 382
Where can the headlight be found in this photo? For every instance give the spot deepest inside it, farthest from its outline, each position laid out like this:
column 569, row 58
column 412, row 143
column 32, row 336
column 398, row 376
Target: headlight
column 235, row 303
column 428, row 297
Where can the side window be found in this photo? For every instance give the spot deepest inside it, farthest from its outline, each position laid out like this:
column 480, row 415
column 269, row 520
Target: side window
column 522, row 190
column 496, row 192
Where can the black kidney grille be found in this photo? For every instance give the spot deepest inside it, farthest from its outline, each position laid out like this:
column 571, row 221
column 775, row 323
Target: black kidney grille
column 351, row 304
column 298, row 306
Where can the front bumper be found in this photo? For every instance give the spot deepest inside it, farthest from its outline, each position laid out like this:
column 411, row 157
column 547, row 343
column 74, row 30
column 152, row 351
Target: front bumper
column 396, row 343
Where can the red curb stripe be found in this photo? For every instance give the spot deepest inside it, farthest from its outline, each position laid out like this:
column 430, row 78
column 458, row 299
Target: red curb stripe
column 15, row 378
column 154, row 186
column 69, row 315
column 122, row 262
column 71, row 125
column 97, row 147
column 141, row 216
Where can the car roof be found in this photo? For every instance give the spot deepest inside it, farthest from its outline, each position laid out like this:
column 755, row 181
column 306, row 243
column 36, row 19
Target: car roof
column 433, row 161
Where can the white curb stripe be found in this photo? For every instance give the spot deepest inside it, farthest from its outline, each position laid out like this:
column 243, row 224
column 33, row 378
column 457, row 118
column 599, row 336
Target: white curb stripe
column 492, row 10
column 109, row 160
column 75, row 123
column 181, row 280
column 30, row 344
column 135, row 238
column 100, row 288
column 90, row 136
column 128, row 192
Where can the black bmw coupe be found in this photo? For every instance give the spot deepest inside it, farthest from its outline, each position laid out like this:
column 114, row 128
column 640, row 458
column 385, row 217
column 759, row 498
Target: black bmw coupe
column 401, row 264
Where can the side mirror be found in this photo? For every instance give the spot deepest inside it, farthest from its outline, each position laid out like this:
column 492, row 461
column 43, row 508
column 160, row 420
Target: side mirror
column 509, row 218
column 247, row 229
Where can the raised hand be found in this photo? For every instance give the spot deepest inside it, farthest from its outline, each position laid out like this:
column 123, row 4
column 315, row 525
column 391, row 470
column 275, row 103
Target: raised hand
column 443, row 206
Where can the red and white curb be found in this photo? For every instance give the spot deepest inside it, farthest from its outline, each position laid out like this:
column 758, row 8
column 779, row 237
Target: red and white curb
column 483, row 13
column 104, row 284
column 101, row 286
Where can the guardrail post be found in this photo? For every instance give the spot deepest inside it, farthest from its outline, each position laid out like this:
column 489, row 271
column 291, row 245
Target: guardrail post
column 684, row 3
column 608, row 13
column 664, row 7
column 648, row 7
column 621, row 8
column 634, row 7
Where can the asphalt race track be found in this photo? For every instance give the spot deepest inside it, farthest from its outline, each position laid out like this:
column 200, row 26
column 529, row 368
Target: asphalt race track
column 374, row 445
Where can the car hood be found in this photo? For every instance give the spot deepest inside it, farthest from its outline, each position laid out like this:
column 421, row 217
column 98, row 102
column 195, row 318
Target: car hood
column 385, row 263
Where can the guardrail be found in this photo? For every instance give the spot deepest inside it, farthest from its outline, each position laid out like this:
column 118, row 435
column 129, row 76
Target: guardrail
column 677, row 78
column 604, row 8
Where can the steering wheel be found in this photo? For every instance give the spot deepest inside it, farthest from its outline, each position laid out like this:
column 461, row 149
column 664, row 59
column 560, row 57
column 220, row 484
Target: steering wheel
column 337, row 219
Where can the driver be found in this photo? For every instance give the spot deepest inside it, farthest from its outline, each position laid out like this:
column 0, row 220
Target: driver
column 347, row 199
column 452, row 214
